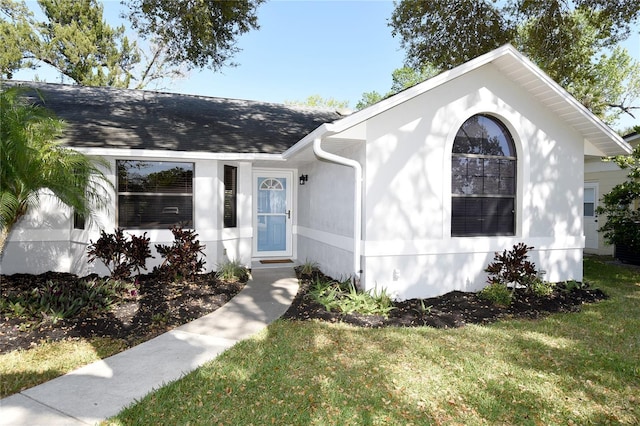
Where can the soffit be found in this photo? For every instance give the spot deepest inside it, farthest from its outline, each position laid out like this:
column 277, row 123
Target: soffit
column 561, row 103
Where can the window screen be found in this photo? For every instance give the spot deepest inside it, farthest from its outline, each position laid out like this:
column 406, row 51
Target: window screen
column 155, row 194
column 78, row 220
column 483, row 179
column 230, row 196
column 589, row 202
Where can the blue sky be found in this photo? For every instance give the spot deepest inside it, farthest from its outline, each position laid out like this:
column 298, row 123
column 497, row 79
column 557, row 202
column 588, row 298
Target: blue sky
column 335, row 49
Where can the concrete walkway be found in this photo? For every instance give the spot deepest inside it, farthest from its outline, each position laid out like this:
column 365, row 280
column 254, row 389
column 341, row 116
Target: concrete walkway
column 102, row 389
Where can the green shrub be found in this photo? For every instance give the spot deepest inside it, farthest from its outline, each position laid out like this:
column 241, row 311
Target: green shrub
column 572, row 285
column 376, row 302
column 308, row 267
column 496, row 293
column 232, row 271
column 56, row 300
column 345, row 297
column 540, row 287
column 325, row 292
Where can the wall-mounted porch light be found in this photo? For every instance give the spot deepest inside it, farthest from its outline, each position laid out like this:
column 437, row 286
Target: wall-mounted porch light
column 303, row 179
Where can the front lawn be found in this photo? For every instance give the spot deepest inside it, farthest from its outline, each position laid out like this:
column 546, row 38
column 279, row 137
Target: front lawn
column 568, row 368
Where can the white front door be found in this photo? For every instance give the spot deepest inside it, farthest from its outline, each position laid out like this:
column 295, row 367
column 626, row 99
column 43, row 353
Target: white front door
column 590, row 216
column 272, row 215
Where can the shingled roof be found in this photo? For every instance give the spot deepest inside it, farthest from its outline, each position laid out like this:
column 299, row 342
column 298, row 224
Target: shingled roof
column 107, row 117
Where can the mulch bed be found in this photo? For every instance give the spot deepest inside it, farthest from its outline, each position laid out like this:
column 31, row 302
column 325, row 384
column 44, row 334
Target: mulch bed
column 159, row 306
column 162, row 305
column 454, row 309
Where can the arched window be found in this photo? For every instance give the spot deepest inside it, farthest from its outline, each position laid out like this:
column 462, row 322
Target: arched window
column 271, row 185
column 483, row 179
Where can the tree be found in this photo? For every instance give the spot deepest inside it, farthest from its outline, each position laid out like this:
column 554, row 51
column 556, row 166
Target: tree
column 199, row 33
column 74, row 39
column 33, row 163
column 619, row 205
column 448, row 33
column 402, row 78
column 568, row 40
column 15, row 35
column 317, row 101
column 155, row 67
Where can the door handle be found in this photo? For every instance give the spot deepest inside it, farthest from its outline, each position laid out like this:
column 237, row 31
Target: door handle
column 288, row 214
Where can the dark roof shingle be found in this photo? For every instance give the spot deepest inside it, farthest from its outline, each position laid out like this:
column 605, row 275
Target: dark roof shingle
column 122, row 118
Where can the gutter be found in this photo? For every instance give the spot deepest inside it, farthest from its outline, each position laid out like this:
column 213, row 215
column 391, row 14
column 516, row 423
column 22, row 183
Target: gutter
column 357, row 203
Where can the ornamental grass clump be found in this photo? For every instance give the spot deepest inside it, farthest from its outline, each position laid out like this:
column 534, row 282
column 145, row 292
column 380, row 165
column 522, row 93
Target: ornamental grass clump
column 308, row 268
column 347, row 298
column 232, row 271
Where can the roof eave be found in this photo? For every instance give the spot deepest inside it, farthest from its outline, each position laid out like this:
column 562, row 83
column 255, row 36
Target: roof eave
column 321, row 131
column 621, row 146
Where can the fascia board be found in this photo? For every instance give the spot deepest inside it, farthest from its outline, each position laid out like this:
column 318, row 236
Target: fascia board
column 565, row 96
column 177, row 155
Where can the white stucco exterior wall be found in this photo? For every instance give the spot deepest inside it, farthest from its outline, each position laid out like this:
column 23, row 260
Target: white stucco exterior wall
column 45, row 241
column 407, row 247
column 325, row 215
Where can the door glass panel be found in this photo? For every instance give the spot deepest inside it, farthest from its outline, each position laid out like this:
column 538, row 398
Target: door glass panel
column 272, row 214
column 589, row 202
column 272, row 233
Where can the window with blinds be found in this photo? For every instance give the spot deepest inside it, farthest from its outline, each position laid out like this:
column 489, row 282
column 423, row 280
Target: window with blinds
column 483, row 179
column 155, row 194
column 230, row 196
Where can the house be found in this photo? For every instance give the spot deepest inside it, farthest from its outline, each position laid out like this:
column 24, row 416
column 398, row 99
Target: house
column 414, row 194
column 599, row 178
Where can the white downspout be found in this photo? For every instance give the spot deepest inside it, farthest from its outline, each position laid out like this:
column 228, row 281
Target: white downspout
column 357, row 203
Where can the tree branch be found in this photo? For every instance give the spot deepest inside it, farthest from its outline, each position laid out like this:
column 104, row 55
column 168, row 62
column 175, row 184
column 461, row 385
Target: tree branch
column 625, row 109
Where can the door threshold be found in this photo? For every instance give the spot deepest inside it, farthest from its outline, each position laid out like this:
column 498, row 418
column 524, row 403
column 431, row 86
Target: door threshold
column 273, row 263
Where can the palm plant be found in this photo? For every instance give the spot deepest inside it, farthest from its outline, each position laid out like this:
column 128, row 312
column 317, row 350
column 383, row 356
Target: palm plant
column 33, row 163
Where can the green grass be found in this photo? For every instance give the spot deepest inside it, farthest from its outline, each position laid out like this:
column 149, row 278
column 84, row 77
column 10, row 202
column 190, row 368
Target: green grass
column 23, row 369
column 579, row 368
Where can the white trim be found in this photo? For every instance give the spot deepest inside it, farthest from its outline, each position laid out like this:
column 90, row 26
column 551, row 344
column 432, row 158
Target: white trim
column 287, row 174
column 334, row 240
column 466, row 245
column 596, row 196
column 178, row 155
column 600, row 166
